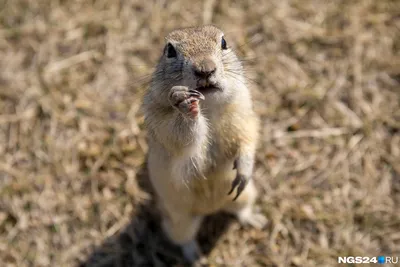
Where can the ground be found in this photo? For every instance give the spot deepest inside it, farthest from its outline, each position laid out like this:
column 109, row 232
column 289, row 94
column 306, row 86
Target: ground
column 325, row 79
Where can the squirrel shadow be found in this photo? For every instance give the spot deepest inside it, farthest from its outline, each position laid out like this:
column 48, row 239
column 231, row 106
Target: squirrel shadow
column 142, row 242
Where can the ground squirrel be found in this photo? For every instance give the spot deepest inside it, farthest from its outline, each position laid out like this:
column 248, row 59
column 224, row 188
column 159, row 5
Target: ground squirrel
column 202, row 135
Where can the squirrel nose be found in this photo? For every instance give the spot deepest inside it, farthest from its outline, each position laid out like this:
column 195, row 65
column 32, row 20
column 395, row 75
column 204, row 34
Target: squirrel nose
column 205, row 69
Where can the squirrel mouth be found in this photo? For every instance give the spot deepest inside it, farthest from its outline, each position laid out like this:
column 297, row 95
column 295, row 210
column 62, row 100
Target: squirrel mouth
column 208, row 87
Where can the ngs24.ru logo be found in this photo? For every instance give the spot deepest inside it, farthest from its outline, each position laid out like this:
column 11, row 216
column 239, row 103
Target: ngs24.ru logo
column 359, row 259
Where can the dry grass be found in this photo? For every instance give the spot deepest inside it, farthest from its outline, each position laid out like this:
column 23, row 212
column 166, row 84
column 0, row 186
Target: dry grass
column 325, row 77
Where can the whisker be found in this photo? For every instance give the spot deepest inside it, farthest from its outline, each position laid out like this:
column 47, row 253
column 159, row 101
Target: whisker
column 247, row 79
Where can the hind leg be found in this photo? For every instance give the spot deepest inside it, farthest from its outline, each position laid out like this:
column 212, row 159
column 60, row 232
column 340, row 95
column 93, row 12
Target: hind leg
column 243, row 206
column 182, row 230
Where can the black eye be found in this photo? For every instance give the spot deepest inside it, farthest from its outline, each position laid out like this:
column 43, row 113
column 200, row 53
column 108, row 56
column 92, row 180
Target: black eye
column 223, row 44
column 171, row 52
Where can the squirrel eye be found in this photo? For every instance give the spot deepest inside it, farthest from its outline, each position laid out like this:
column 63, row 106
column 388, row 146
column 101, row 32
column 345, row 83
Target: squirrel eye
column 171, row 52
column 223, row 44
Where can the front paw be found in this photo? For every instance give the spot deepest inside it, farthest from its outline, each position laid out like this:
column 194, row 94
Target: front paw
column 185, row 100
column 240, row 182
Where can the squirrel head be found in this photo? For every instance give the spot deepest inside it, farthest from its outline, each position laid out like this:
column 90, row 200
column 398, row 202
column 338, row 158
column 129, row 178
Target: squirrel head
column 200, row 58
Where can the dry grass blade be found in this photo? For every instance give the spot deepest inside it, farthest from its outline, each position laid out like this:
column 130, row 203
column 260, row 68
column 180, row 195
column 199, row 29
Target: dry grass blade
column 325, row 81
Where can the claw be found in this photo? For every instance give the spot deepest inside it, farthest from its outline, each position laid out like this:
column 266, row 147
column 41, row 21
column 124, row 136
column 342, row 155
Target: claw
column 240, row 182
column 196, row 93
column 235, row 165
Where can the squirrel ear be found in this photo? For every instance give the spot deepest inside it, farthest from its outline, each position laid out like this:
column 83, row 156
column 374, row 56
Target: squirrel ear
column 223, row 43
column 170, row 50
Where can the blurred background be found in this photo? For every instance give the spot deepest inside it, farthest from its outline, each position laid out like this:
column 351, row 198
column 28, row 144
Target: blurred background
column 325, row 81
